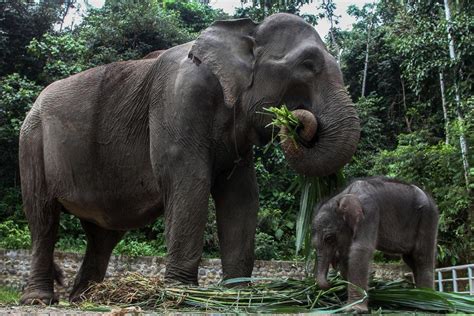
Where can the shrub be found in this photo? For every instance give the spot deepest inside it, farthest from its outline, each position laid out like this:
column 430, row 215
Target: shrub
column 14, row 236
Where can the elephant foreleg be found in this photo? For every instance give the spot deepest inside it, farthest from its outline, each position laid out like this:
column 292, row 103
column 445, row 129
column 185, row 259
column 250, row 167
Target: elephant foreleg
column 236, row 200
column 358, row 273
column 185, row 221
column 100, row 243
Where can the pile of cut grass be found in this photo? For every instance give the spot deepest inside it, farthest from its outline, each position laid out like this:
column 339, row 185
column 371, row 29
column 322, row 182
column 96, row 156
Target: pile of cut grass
column 270, row 296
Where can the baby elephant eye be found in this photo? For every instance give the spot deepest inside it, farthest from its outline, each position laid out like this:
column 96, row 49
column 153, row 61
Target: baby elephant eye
column 309, row 64
column 330, row 239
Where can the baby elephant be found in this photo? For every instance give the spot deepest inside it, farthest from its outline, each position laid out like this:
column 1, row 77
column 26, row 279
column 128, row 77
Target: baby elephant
column 375, row 213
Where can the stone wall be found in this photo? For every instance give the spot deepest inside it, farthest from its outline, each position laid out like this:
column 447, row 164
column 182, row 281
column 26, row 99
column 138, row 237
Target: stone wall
column 15, row 265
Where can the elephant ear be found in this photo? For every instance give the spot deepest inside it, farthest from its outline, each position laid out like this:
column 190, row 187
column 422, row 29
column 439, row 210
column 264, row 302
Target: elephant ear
column 227, row 48
column 350, row 208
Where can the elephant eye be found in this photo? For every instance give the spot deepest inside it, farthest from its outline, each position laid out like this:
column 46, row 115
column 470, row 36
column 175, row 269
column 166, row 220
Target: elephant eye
column 330, row 239
column 309, row 64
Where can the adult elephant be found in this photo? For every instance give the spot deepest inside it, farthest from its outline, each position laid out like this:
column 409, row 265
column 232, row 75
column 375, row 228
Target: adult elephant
column 120, row 144
column 154, row 54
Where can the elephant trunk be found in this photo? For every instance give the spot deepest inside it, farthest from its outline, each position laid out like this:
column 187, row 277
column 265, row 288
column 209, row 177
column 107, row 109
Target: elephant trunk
column 322, row 272
column 329, row 136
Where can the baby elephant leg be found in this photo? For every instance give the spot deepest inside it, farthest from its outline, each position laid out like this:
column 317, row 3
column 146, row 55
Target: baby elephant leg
column 423, row 256
column 358, row 274
column 423, row 271
column 408, row 259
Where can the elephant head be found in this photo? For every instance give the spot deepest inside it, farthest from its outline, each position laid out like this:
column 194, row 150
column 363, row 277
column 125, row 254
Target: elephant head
column 283, row 61
column 333, row 230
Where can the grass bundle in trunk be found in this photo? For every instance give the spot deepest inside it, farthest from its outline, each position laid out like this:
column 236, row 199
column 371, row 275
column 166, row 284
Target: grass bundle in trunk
column 311, row 189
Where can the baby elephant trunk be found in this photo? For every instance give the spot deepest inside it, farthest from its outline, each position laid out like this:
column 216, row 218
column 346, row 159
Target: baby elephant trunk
column 321, row 278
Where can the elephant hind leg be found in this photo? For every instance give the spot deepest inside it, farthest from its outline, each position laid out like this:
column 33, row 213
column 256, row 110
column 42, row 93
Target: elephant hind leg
column 425, row 247
column 100, row 243
column 43, row 271
column 408, row 259
column 421, row 262
column 423, row 269
column 42, row 213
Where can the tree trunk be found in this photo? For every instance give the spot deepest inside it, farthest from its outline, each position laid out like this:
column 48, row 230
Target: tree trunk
column 445, row 110
column 366, row 64
column 407, row 120
column 67, row 4
column 462, row 137
column 330, row 15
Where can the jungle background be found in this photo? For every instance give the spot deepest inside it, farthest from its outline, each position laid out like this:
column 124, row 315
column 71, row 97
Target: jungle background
column 407, row 65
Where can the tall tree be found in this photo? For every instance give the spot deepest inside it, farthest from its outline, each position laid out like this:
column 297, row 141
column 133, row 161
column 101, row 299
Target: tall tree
column 259, row 9
column 367, row 17
column 457, row 97
column 20, row 22
column 328, row 8
column 445, row 109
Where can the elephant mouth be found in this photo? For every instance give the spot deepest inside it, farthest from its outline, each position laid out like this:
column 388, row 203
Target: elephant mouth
column 306, row 132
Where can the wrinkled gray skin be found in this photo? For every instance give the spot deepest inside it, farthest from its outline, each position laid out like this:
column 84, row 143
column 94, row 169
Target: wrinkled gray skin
column 121, row 144
column 154, row 54
column 375, row 213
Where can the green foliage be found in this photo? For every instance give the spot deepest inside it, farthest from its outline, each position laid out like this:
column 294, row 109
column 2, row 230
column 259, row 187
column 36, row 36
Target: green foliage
column 372, row 138
column 14, row 236
column 134, row 248
column 9, row 296
column 17, row 95
column 20, row 22
column 10, row 204
column 278, row 205
column 194, row 15
column 265, row 246
column 263, row 8
column 211, row 240
column 62, row 54
column 122, row 30
column 71, row 234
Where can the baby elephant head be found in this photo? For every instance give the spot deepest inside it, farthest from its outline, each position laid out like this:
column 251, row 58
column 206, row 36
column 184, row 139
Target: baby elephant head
column 334, row 227
column 350, row 209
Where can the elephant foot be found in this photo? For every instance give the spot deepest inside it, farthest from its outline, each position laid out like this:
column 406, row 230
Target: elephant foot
column 78, row 294
column 176, row 276
column 38, row 297
column 177, row 283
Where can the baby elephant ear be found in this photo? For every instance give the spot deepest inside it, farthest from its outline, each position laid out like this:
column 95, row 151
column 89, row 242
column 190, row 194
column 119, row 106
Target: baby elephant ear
column 350, row 208
column 227, row 48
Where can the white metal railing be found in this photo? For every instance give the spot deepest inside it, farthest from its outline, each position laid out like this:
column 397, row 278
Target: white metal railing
column 459, row 279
